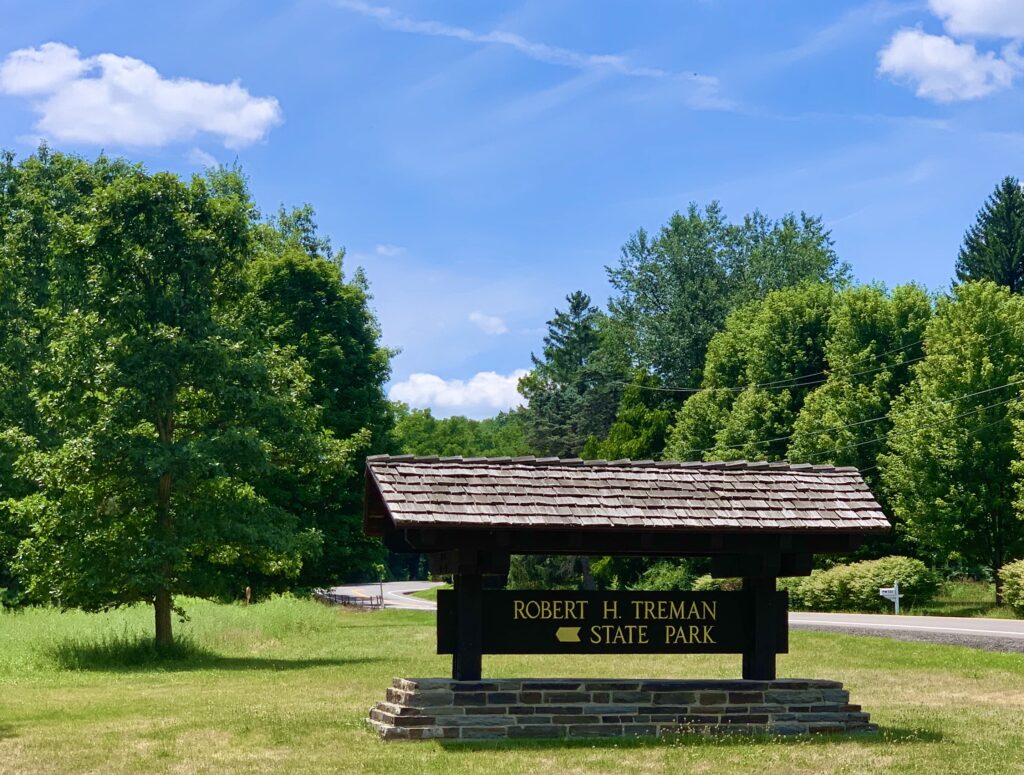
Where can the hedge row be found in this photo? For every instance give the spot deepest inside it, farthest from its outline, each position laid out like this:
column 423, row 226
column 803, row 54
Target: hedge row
column 855, row 587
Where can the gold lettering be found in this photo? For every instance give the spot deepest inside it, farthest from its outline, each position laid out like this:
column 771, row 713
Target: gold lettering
column 517, row 608
column 694, row 633
column 707, row 633
column 613, row 607
column 710, row 609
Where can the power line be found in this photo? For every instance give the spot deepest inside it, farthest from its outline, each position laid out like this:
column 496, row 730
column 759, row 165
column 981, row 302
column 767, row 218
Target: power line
column 852, row 424
column 972, row 431
column 919, row 427
column 798, row 381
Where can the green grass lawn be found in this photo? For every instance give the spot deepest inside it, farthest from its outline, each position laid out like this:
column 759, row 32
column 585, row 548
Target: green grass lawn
column 284, row 686
column 430, row 594
column 964, row 597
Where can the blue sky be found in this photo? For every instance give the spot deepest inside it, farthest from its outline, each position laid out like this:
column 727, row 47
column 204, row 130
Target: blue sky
column 483, row 159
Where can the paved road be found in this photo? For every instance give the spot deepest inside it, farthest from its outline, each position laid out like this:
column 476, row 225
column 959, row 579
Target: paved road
column 396, row 593
column 990, row 634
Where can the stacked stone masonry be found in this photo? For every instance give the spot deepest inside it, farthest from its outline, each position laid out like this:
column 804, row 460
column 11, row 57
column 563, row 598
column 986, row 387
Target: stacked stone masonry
column 425, row 708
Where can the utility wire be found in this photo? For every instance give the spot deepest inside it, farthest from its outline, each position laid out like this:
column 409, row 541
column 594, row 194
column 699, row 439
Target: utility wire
column 852, row 424
column 972, row 431
column 919, row 427
column 797, row 381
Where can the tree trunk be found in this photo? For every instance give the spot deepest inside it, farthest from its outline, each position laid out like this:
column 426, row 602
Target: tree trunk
column 588, row 576
column 162, row 600
column 998, row 560
column 162, row 606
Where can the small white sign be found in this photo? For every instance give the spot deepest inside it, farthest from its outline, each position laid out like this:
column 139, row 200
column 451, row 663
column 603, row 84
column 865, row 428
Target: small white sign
column 892, row 593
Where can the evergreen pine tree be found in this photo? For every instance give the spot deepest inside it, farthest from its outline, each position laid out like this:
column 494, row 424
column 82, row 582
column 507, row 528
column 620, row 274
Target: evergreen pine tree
column 993, row 247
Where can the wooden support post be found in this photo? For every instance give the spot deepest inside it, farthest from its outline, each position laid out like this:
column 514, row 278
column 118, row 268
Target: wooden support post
column 759, row 659
column 467, row 660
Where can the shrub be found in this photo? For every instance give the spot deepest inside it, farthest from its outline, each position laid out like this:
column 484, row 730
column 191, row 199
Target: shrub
column 793, row 585
column 1012, row 576
column 855, row 587
column 708, row 584
column 666, row 575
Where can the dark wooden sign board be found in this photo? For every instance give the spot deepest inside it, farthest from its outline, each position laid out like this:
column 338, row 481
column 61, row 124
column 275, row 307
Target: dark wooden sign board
column 569, row 622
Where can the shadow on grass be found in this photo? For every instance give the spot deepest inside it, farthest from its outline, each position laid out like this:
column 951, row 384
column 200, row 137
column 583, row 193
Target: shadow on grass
column 140, row 654
column 882, row 737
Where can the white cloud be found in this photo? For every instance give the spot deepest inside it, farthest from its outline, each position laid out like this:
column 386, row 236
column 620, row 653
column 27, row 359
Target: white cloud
column 489, row 324
column 706, row 87
column 201, row 158
column 943, row 70
column 389, row 251
column 485, row 393
column 111, row 99
column 981, row 18
column 32, row 71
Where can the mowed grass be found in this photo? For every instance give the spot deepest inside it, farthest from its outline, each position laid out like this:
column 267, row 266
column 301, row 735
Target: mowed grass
column 965, row 597
column 430, row 594
column 284, row 686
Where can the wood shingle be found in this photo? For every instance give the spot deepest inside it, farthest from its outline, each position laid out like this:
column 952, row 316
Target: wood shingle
column 545, row 493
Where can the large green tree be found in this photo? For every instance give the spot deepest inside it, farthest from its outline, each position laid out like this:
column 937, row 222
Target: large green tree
column 949, row 470
column 641, row 424
column 298, row 299
column 675, row 289
column 166, row 445
column 760, row 369
column 875, row 337
column 40, row 200
column 574, row 387
column 993, row 247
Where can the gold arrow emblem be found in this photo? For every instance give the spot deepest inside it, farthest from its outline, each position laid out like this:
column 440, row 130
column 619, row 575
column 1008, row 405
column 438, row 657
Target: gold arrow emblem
column 568, row 634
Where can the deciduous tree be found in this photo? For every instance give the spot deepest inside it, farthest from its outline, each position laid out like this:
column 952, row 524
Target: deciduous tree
column 949, row 470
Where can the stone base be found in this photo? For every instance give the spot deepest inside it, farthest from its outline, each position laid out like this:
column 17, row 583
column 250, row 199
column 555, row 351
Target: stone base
column 423, row 708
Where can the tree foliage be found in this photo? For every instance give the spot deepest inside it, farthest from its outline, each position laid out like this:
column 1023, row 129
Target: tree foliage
column 574, row 387
column 948, row 473
column 418, row 432
column 675, row 290
column 993, row 247
column 198, row 388
column 756, row 378
column 875, row 337
column 641, row 423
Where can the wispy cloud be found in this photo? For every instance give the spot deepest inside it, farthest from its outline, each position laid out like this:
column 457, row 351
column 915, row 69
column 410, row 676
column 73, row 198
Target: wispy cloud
column 843, row 30
column 201, row 158
column 388, row 251
column 705, row 88
column 115, row 99
column 489, row 324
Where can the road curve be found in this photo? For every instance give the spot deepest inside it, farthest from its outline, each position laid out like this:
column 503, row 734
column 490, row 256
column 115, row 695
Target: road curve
column 989, row 634
column 397, row 594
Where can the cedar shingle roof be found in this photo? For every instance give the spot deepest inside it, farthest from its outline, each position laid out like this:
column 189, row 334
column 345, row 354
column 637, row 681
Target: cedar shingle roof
column 538, row 493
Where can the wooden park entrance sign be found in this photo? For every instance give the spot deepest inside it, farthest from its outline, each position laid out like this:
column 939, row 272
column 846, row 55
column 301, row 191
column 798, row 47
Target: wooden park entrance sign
column 755, row 521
